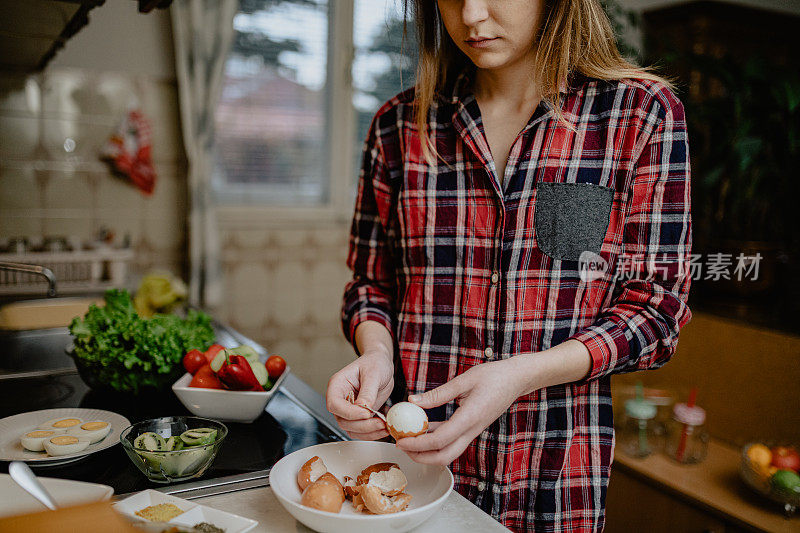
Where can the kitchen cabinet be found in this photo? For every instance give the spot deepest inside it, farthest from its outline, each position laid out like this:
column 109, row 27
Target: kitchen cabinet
column 656, row 494
column 33, row 31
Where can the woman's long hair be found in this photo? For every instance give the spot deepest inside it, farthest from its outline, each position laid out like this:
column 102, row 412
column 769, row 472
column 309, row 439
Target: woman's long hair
column 574, row 36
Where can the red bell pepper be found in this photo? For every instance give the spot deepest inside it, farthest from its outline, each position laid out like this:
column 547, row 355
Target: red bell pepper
column 236, row 374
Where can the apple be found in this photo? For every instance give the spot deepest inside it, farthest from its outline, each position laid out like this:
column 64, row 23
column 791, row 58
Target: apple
column 785, row 458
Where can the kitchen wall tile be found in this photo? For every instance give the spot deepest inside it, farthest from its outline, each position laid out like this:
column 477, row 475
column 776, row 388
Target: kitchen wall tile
column 250, row 282
column 249, row 239
column 68, row 93
column 330, row 354
column 290, row 238
column 67, row 227
column 160, row 105
column 71, row 190
column 166, row 231
column 248, row 314
column 114, row 192
column 76, row 138
column 18, row 137
column 18, row 189
column 19, row 223
column 19, row 95
column 290, row 293
column 122, row 225
column 119, row 92
column 169, row 196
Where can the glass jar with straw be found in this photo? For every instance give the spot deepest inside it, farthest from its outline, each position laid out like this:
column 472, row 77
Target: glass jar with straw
column 638, row 436
column 687, row 439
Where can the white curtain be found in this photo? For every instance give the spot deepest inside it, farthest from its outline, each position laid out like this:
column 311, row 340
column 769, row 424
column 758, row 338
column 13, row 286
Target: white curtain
column 203, row 33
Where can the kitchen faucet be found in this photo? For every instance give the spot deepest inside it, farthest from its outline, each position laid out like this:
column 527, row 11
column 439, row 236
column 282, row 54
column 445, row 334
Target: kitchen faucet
column 33, row 269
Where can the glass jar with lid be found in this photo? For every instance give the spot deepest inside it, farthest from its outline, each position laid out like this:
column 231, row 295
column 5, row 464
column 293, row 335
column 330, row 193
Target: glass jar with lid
column 639, row 436
column 687, row 439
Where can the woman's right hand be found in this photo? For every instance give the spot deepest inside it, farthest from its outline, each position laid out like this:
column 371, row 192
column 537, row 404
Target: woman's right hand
column 370, row 378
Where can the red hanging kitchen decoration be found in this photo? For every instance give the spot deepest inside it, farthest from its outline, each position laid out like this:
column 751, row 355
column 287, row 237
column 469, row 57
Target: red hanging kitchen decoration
column 129, row 151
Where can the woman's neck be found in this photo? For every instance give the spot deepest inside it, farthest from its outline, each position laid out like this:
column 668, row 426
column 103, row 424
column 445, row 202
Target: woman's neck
column 513, row 84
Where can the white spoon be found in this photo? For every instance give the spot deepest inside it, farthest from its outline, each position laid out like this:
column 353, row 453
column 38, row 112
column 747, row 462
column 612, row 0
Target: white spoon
column 22, row 474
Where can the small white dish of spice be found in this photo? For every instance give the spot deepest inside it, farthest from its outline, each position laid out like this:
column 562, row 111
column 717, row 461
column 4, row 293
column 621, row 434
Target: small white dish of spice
column 151, row 505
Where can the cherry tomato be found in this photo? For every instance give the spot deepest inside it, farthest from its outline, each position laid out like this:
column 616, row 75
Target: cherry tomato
column 212, row 351
column 193, row 360
column 205, row 378
column 275, row 366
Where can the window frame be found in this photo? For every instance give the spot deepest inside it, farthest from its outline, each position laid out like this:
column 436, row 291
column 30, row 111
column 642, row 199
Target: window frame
column 340, row 123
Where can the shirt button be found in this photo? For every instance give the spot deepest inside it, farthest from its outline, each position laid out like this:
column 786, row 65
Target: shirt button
column 481, row 486
column 495, row 278
column 488, row 351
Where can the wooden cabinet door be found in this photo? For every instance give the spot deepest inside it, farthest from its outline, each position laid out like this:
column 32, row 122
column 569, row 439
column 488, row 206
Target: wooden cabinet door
column 634, row 506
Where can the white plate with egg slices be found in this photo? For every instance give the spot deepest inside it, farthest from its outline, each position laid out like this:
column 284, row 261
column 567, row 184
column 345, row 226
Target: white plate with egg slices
column 75, row 423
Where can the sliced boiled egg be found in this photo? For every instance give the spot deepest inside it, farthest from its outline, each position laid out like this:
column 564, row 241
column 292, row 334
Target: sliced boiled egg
column 65, row 445
column 34, row 440
column 61, row 425
column 95, row 431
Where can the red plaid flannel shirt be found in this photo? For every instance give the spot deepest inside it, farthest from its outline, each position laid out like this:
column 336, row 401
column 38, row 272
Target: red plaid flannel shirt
column 463, row 271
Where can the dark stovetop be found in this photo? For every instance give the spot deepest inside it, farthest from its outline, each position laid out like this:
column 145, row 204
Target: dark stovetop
column 282, row 429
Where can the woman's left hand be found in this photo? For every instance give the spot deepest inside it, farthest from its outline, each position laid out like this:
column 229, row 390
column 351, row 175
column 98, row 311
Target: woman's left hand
column 482, row 393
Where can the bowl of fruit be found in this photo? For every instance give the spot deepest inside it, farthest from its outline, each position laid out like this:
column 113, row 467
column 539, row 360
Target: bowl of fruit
column 229, row 384
column 773, row 472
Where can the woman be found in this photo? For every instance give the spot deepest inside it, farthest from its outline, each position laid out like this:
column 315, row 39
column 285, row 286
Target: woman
column 521, row 233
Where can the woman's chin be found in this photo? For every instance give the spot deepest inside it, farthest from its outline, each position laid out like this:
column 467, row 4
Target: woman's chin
column 489, row 60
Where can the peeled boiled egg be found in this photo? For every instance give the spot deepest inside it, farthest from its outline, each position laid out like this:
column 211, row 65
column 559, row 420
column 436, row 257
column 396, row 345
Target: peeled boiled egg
column 61, row 425
column 406, row 419
column 65, row 445
column 95, row 431
column 34, row 440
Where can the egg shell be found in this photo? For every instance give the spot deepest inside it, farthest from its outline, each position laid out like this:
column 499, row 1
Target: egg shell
column 379, row 503
column 65, row 445
column 350, row 487
column 406, row 419
column 34, row 440
column 94, row 435
column 310, row 472
column 390, row 481
column 323, row 495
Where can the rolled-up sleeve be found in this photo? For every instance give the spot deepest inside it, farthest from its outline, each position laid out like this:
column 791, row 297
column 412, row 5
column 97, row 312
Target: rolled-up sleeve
column 639, row 330
column 369, row 295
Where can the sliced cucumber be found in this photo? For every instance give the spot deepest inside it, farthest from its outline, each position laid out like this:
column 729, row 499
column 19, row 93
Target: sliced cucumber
column 174, row 444
column 260, row 372
column 199, row 436
column 152, row 442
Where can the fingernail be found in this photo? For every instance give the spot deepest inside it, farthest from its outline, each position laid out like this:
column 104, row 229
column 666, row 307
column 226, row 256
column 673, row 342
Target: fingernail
column 414, row 398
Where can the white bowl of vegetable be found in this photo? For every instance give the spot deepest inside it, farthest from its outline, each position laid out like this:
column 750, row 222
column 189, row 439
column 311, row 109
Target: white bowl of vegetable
column 173, row 448
column 225, row 404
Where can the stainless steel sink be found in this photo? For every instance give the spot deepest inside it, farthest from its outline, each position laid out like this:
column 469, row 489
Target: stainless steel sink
column 31, row 353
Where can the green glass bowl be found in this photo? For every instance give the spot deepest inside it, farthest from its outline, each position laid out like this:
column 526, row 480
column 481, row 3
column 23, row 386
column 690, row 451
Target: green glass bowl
column 180, row 465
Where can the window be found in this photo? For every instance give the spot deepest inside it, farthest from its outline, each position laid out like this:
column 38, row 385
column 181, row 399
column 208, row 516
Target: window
column 271, row 117
column 290, row 123
column 385, row 61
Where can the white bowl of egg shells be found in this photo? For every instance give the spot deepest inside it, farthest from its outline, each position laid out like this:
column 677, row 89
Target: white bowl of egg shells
column 396, row 494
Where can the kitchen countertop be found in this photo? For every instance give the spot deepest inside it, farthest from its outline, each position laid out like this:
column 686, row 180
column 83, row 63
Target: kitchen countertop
column 713, row 484
column 457, row 514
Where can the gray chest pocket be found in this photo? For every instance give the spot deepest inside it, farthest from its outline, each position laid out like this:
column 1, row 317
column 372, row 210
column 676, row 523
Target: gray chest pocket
column 571, row 218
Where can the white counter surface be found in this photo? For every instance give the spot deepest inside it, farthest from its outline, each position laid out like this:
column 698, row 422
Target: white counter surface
column 457, row 514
